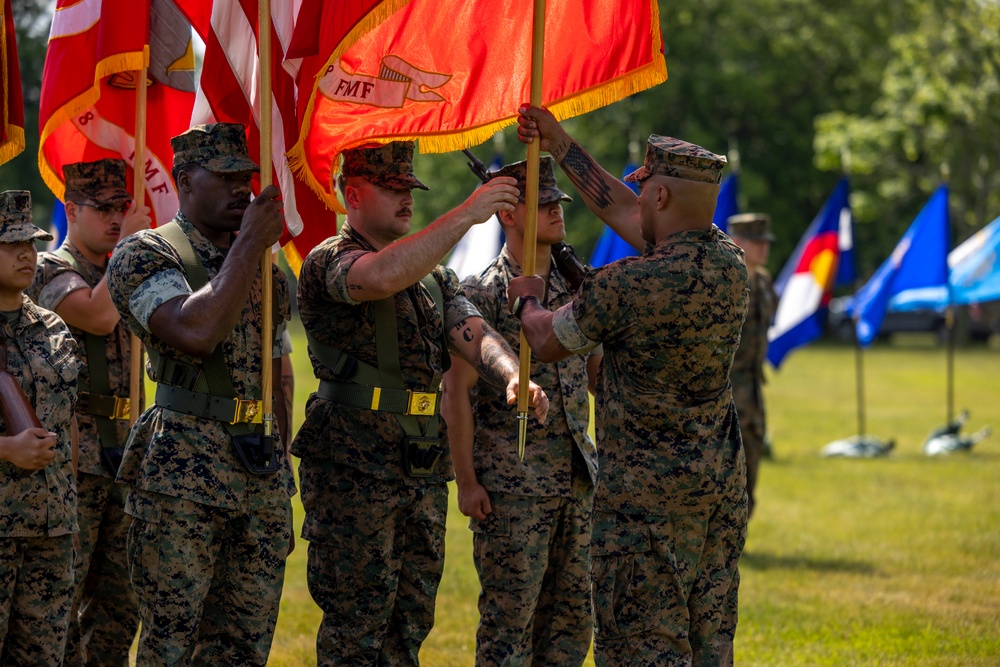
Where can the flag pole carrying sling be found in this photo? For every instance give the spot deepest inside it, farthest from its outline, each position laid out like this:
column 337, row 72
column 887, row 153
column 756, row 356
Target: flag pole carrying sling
column 266, row 333
column 531, row 220
column 139, row 187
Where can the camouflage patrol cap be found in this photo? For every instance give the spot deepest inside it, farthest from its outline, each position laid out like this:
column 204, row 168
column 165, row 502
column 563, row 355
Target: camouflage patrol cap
column 102, row 181
column 750, row 226
column 672, row 157
column 548, row 190
column 385, row 165
column 15, row 218
column 219, row 147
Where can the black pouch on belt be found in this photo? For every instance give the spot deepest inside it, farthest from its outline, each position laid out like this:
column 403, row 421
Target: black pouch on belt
column 420, row 455
column 256, row 453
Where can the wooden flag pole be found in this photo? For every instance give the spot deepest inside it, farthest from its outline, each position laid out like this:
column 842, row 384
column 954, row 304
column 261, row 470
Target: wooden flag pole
column 531, row 217
column 139, row 186
column 266, row 334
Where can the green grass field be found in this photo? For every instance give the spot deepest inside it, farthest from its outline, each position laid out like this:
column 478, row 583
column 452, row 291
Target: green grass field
column 887, row 562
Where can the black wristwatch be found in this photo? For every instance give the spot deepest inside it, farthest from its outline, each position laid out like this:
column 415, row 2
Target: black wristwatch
column 519, row 304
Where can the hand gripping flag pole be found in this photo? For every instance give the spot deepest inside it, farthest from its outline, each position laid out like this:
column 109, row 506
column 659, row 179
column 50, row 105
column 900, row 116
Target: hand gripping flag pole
column 267, row 333
column 139, row 166
column 531, row 221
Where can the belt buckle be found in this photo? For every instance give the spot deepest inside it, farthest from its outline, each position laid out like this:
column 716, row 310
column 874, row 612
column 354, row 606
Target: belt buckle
column 122, row 408
column 421, row 403
column 247, row 412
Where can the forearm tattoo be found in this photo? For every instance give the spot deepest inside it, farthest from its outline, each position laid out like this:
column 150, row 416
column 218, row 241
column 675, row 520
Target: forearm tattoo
column 465, row 331
column 497, row 361
column 587, row 176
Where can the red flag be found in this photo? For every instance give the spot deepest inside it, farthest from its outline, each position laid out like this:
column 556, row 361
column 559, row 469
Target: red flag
column 87, row 109
column 12, row 131
column 229, row 92
column 450, row 73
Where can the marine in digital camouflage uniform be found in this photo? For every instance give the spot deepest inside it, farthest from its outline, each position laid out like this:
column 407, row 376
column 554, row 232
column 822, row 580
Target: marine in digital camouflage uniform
column 671, row 507
column 531, row 519
column 376, row 531
column 208, row 542
column 37, row 481
column 72, row 282
column 752, row 233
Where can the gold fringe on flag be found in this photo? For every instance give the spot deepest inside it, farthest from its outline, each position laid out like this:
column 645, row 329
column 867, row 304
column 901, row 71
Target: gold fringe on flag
column 120, row 62
column 580, row 103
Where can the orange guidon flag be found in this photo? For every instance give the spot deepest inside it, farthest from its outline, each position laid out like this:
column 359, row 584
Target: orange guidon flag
column 12, row 130
column 450, row 73
column 88, row 102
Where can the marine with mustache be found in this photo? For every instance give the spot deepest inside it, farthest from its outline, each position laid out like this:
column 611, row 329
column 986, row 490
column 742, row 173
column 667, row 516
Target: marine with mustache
column 381, row 315
column 208, row 496
column 72, row 282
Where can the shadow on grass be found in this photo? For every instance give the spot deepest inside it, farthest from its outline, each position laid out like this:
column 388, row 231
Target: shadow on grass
column 762, row 560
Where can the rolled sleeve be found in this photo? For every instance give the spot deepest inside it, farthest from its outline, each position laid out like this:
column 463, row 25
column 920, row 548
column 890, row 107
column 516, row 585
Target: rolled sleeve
column 568, row 332
column 282, row 342
column 336, row 274
column 156, row 291
column 59, row 288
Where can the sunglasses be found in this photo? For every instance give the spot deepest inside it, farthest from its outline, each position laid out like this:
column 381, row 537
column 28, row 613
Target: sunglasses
column 106, row 211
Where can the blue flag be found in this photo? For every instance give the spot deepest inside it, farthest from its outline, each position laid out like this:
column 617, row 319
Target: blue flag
column 59, row 225
column 805, row 284
column 975, row 275
column 611, row 247
column 726, row 205
column 919, row 260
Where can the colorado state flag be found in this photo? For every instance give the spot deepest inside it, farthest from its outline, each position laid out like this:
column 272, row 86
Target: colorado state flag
column 805, row 285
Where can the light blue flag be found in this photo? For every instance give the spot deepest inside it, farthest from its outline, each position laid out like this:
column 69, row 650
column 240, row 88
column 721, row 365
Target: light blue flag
column 919, row 260
column 975, row 275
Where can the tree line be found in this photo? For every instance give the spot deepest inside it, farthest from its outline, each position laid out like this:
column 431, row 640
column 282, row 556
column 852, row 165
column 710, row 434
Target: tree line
column 899, row 94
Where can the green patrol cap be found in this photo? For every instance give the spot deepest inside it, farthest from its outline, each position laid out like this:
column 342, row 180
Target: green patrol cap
column 548, row 190
column 672, row 157
column 750, row 226
column 15, row 218
column 102, row 181
column 219, row 147
column 385, row 165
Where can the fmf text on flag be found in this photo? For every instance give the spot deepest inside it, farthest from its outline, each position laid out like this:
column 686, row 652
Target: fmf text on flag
column 88, row 101
column 451, row 74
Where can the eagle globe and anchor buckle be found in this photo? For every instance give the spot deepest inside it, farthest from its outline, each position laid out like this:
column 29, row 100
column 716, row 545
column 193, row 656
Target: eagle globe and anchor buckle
column 247, row 412
column 121, row 409
column 421, row 403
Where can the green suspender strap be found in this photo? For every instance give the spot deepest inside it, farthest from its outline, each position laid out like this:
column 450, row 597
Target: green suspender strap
column 96, row 398
column 384, row 389
column 210, row 394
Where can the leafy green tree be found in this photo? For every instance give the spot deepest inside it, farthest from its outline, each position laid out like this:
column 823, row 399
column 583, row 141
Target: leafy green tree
column 938, row 110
